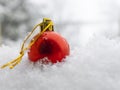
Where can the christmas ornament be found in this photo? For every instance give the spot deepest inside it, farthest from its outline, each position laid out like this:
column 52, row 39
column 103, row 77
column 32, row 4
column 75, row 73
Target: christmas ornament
column 46, row 44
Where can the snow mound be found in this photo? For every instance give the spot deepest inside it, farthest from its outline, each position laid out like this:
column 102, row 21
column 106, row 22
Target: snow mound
column 95, row 66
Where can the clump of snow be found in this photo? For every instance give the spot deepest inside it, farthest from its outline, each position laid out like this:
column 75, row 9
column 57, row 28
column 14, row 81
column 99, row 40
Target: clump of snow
column 94, row 66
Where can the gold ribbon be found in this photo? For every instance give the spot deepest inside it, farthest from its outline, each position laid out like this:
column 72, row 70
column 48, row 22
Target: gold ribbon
column 47, row 24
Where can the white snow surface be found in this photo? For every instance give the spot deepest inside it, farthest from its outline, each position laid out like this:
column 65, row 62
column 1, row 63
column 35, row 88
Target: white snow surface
column 94, row 66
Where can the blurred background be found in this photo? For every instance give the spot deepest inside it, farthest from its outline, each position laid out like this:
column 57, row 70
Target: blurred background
column 77, row 20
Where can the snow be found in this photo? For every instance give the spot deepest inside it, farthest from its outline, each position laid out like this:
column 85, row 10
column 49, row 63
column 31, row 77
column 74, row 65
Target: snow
column 94, row 66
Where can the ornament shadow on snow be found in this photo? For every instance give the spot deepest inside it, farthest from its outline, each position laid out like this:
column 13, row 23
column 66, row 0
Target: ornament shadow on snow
column 46, row 43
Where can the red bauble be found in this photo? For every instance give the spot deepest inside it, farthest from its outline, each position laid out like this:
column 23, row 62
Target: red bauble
column 51, row 45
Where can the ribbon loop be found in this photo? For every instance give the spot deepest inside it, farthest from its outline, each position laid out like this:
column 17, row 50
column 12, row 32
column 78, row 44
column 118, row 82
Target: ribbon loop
column 47, row 24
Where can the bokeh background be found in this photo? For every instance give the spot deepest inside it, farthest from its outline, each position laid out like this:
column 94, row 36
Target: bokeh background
column 75, row 19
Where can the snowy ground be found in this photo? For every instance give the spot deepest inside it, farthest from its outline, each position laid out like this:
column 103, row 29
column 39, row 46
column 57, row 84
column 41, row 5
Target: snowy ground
column 94, row 66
